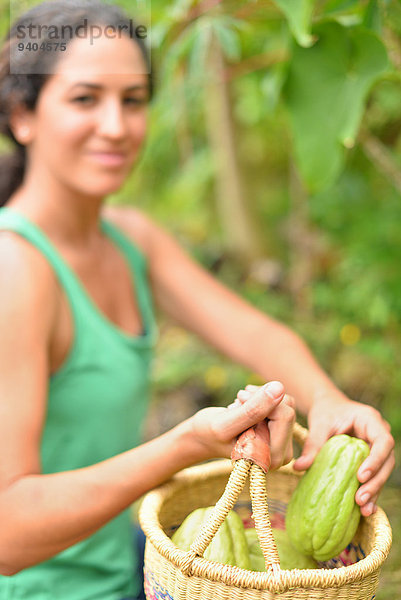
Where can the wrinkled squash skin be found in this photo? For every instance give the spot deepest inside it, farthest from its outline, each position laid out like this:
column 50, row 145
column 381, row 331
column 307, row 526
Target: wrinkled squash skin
column 290, row 558
column 229, row 545
column 322, row 515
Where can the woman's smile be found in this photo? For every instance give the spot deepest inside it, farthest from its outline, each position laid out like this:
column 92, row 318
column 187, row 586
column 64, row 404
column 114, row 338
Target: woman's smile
column 108, row 158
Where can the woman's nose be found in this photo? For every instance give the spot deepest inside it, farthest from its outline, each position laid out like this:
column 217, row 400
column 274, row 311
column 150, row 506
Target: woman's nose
column 111, row 122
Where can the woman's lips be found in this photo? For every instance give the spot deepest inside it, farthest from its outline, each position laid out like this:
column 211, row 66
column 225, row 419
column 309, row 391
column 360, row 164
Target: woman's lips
column 109, row 159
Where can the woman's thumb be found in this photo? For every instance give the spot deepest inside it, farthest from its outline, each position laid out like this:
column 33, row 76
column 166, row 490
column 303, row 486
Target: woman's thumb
column 312, row 445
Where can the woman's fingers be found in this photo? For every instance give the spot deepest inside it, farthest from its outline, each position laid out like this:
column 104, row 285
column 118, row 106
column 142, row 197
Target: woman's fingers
column 376, row 432
column 289, row 453
column 281, row 421
column 369, row 491
column 369, row 425
column 369, row 508
column 313, row 444
column 241, row 416
column 243, row 396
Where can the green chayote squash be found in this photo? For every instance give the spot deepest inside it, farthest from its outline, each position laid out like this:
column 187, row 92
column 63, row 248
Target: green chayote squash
column 290, row 558
column 322, row 515
column 229, row 545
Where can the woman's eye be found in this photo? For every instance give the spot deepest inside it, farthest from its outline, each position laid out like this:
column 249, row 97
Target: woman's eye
column 83, row 99
column 129, row 101
column 135, row 101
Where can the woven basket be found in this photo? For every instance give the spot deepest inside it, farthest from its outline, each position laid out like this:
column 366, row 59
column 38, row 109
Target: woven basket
column 174, row 574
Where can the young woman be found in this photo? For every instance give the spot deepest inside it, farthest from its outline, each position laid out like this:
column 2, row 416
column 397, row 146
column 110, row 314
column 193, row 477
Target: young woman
column 77, row 283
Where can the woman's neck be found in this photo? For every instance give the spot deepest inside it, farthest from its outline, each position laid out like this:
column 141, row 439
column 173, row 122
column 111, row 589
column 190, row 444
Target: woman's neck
column 69, row 219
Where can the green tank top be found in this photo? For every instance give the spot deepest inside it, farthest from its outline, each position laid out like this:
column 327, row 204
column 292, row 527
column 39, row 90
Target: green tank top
column 96, row 406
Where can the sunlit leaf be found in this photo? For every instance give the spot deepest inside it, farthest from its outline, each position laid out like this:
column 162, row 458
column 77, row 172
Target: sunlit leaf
column 299, row 16
column 228, row 39
column 197, row 56
column 325, row 94
column 178, row 9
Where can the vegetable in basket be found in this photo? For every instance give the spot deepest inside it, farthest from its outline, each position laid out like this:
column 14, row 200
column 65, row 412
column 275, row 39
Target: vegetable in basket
column 229, row 545
column 290, row 558
column 235, row 545
column 322, row 515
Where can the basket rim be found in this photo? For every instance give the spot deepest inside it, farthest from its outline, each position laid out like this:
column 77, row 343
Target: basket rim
column 277, row 580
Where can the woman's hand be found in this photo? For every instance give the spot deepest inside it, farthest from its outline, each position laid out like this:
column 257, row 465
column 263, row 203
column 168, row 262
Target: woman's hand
column 216, row 429
column 326, row 419
column 329, row 417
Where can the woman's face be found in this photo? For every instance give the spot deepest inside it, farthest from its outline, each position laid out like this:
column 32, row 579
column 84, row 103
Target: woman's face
column 90, row 118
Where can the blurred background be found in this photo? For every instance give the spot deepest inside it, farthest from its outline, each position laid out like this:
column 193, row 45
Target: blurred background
column 274, row 157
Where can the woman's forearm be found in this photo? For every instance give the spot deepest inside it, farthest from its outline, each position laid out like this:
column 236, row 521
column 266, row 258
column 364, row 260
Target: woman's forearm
column 41, row 515
column 276, row 352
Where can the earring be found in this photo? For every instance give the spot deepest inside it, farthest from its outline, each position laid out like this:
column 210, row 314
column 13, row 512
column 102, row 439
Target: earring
column 23, row 134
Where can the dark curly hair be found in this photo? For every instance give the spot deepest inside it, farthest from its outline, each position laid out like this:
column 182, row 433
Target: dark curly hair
column 33, row 68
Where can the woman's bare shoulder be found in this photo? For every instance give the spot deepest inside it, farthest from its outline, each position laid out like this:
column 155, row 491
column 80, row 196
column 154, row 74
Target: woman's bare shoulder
column 26, row 278
column 21, row 257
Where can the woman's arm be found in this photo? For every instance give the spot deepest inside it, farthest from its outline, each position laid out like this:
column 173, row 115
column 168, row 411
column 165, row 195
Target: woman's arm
column 42, row 514
column 200, row 303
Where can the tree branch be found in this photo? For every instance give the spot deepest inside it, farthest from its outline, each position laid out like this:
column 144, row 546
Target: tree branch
column 382, row 158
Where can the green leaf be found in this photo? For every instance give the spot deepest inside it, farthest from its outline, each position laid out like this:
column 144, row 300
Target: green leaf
column 325, row 94
column 178, row 52
column 299, row 16
column 198, row 53
column 228, row 39
column 178, row 10
column 346, row 12
column 338, row 5
column 372, row 18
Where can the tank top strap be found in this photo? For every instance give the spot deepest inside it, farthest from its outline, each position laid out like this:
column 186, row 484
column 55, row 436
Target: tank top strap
column 13, row 221
column 131, row 251
column 139, row 266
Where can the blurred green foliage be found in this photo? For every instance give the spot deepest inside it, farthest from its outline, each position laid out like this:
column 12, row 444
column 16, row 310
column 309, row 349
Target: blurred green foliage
column 348, row 304
column 314, row 93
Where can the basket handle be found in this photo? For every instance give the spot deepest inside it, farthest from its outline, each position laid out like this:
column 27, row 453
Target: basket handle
column 253, row 445
column 250, row 450
column 223, row 506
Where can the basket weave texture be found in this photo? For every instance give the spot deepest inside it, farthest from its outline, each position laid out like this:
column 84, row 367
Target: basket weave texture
column 174, row 574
